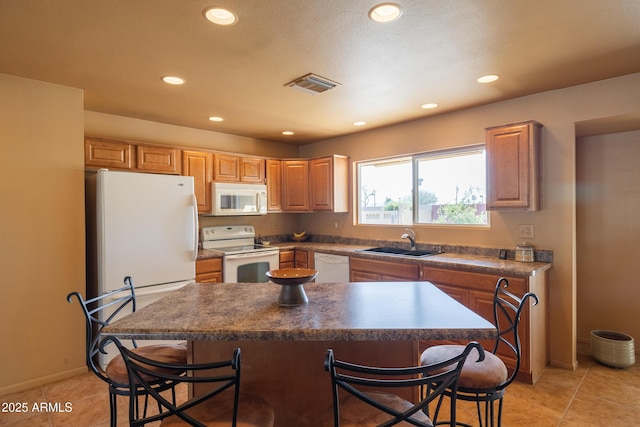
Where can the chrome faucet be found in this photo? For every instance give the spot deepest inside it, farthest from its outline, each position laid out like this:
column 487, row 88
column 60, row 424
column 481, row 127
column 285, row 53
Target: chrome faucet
column 411, row 235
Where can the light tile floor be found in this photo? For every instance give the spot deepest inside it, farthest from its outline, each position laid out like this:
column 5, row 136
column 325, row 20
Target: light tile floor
column 593, row 395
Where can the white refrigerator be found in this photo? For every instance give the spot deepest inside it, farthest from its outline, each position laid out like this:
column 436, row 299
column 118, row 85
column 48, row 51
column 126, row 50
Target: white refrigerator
column 144, row 226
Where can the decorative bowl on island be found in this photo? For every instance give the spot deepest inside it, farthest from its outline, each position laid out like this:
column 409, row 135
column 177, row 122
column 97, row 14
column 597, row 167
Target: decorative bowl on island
column 291, row 279
column 291, row 276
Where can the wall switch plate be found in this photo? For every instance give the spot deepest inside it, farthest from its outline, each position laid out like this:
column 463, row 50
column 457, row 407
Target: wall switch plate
column 526, row 231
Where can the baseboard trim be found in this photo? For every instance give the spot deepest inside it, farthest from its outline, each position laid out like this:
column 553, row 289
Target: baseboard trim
column 35, row 382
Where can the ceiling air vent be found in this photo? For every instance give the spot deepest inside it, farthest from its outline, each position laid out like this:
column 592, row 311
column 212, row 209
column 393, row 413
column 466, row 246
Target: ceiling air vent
column 312, row 84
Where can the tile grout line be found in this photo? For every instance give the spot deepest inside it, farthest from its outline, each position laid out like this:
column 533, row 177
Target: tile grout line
column 573, row 397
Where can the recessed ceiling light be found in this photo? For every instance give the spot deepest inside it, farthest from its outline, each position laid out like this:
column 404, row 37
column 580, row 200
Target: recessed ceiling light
column 385, row 12
column 287, row 132
column 429, row 105
column 173, row 80
column 488, row 78
column 220, row 16
column 359, row 123
column 216, row 119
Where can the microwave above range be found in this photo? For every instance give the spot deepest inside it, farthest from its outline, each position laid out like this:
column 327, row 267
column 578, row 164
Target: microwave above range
column 233, row 199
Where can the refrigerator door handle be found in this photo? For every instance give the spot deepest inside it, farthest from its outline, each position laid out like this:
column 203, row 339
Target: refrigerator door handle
column 195, row 227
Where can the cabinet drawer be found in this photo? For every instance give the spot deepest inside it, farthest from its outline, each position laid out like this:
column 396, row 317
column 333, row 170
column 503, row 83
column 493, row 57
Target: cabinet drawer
column 484, row 282
column 386, row 270
column 209, row 265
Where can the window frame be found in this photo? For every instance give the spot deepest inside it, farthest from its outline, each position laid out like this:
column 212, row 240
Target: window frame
column 414, row 160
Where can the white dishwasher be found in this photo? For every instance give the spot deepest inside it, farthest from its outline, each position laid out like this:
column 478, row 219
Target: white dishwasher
column 331, row 268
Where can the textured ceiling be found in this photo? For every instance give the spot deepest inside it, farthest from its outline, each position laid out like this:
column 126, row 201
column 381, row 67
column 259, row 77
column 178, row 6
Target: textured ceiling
column 117, row 51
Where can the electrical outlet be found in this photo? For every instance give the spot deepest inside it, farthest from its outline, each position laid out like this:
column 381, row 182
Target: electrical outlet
column 273, row 225
column 526, row 231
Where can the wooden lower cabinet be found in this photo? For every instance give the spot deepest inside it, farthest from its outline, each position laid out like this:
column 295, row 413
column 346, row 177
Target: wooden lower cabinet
column 209, row 270
column 298, row 258
column 368, row 270
column 287, row 259
column 302, row 259
column 475, row 290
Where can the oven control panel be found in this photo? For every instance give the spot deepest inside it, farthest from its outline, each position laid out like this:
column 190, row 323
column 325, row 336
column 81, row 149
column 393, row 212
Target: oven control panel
column 223, row 232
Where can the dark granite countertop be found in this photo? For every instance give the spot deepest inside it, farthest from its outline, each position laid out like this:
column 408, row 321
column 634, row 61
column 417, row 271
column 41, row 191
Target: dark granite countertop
column 473, row 262
column 365, row 311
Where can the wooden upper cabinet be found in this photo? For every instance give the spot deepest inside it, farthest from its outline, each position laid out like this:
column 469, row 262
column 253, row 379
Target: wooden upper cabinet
column 158, row 159
column 295, row 185
column 329, row 179
column 513, row 166
column 199, row 165
column 252, row 170
column 274, row 185
column 232, row 168
column 108, row 154
column 226, row 167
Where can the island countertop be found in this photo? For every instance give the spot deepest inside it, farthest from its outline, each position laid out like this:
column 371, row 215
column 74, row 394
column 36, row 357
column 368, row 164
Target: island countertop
column 364, row 311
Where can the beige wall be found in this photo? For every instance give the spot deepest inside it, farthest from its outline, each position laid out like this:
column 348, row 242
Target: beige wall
column 608, row 237
column 42, row 228
column 555, row 224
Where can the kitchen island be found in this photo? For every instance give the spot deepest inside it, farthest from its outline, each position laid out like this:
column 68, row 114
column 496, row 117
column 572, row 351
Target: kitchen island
column 283, row 348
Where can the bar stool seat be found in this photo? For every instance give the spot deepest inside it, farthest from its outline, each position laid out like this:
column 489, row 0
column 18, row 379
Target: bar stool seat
column 489, row 373
column 166, row 353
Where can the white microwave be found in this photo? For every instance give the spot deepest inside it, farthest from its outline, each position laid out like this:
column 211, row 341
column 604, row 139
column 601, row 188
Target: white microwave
column 238, row 199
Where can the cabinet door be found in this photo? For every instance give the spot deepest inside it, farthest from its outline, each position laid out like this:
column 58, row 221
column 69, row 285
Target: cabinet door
column 158, row 159
column 199, row 165
column 329, row 178
column 321, row 179
column 226, row 167
column 252, row 170
column 209, row 270
column 287, row 259
column 108, row 154
column 274, row 185
column 302, row 259
column 295, row 185
column 513, row 176
column 459, row 294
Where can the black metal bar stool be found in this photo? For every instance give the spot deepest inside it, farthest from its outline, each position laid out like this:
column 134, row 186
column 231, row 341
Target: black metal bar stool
column 115, row 374
column 486, row 381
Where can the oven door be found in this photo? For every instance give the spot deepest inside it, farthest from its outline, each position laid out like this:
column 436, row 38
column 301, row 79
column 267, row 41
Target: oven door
column 249, row 267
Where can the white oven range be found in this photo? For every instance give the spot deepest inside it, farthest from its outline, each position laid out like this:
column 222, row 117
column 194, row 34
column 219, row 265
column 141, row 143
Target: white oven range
column 242, row 260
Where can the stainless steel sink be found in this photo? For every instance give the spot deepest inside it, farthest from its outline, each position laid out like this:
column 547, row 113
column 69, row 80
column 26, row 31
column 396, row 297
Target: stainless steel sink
column 398, row 251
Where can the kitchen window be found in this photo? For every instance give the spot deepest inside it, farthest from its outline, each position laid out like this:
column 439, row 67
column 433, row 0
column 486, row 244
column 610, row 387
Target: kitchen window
column 441, row 187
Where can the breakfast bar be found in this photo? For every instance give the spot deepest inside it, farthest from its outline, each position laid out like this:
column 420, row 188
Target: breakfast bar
column 283, row 348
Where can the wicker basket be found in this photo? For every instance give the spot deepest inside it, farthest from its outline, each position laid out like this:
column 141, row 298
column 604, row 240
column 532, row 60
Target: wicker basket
column 613, row 348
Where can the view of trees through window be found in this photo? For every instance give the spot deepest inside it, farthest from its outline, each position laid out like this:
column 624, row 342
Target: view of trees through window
column 447, row 187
